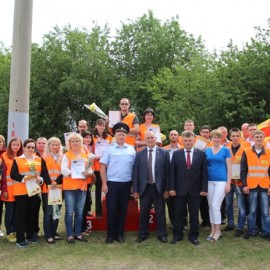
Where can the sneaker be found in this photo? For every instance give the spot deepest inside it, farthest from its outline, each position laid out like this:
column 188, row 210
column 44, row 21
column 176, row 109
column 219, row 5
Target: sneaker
column 11, row 238
column 228, row 228
column 22, row 245
column 248, row 236
column 33, row 240
column 238, row 233
column 1, row 234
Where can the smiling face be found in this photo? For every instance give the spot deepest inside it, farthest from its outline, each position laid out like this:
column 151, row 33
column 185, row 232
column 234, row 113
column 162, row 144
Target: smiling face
column 29, row 149
column 54, row 147
column 150, row 138
column 41, row 143
column 15, row 146
column 87, row 139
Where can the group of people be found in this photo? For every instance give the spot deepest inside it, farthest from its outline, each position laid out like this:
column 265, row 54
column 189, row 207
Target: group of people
column 192, row 174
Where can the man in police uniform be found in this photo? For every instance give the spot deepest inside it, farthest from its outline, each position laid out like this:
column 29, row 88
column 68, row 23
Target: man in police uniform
column 116, row 175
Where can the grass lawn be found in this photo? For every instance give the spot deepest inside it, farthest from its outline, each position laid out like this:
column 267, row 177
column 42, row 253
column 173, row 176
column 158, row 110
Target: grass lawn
column 227, row 253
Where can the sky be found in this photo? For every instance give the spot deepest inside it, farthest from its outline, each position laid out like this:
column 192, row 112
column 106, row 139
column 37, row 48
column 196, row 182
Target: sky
column 217, row 21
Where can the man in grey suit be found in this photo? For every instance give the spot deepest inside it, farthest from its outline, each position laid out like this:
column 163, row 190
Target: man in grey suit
column 150, row 174
column 187, row 182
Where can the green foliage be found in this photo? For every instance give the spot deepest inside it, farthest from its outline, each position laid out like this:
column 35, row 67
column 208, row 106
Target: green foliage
column 154, row 64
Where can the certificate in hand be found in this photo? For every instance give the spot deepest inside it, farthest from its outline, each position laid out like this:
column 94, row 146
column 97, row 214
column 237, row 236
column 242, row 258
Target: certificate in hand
column 32, row 187
column 114, row 118
column 157, row 133
column 200, row 143
column 100, row 147
column 236, row 171
column 77, row 167
column 55, row 195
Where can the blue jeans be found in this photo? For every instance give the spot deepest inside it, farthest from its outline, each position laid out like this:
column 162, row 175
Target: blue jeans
column 254, row 194
column 75, row 200
column 49, row 224
column 241, row 206
column 10, row 217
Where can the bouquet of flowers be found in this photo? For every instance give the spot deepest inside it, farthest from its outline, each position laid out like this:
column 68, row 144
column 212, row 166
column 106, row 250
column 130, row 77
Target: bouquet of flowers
column 32, row 166
column 95, row 109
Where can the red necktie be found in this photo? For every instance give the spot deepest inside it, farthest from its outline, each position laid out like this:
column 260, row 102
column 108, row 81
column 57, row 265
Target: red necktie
column 188, row 159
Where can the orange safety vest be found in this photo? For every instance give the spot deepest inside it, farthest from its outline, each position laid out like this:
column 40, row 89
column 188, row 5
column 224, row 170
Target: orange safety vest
column 258, row 169
column 128, row 119
column 19, row 188
column 95, row 141
column 74, row 184
column 10, row 182
column 54, row 170
column 236, row 159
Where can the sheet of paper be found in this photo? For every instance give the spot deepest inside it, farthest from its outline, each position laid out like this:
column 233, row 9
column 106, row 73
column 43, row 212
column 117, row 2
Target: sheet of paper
column 236, row 171
column 200, row 143
column 114, row 118
column 55, row 195
column 100, row 147
column 77, row 167
column 32, row 187
column 156, row 131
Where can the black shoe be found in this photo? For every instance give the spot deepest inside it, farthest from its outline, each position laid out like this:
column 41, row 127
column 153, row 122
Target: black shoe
column 194, row 242
column 141, row 239
column 228, row 228
column 266, row 237
column 50, row 241
column 174, row 241
column 109, row 240
column 238, row 233
column 163, row 239
column 223, row 221
column 71, row 241
column 120, row 239
column 248, row 236
column 81, row 238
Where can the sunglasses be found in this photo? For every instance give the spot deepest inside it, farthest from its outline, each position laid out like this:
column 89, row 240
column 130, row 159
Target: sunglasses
column 124, row 104
column 30, row 147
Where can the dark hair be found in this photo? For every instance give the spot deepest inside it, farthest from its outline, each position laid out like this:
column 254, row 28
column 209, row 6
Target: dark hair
column 28, row 141
column 234, row 130
column 9, row 150
column 95, row 133
column 87, row 133
column 205, row 127
column 146, row 111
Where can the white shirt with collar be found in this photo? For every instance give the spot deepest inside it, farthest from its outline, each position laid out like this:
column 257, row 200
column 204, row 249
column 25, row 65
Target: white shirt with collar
column 153, row 160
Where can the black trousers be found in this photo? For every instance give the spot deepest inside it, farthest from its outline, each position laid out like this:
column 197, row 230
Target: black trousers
column 204, row 209
column 117, row 204
column 98, row 193
column 26, row 210
column 149, row 195
column 193, row 203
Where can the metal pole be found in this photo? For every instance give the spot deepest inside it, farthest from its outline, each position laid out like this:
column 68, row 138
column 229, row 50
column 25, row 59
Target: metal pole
column 18, row 115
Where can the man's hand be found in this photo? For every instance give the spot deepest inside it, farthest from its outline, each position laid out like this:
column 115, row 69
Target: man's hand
column 203, row 193
column 105, row 188
column 246, row 190
column 172, row 193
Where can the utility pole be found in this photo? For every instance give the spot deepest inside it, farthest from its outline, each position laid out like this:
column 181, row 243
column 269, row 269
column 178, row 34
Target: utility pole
column 18, row 115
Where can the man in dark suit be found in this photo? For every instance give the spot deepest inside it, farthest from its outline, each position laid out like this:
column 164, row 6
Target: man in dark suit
column 187, row 182
column 150, row 174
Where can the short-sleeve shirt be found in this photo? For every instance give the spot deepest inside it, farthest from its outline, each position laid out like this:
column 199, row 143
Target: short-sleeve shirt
column 217, row 166
column 119, row 161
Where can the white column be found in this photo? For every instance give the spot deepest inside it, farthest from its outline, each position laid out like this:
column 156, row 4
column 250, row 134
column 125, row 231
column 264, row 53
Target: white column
column 18, row 115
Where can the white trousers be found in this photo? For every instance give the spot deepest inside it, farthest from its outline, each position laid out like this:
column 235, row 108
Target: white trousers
column 215, row 196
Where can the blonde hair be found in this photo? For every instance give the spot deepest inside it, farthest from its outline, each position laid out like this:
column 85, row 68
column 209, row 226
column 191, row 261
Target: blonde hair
column 2, row 138
column 216, row 132
column 72, row 137
column 47, row 151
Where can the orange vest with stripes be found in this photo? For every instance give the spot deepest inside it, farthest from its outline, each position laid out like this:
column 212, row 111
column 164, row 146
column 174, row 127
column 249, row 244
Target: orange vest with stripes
column 10, row 182
column 54, row 170
column 19, row 188
column 236, row 159
column 71, row 183
column 258, row 169
column 128, row 119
